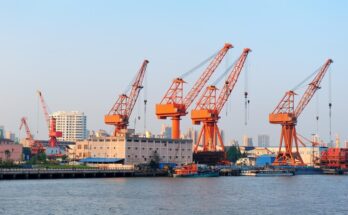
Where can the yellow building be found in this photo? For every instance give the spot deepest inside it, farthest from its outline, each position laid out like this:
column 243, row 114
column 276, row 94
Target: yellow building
column 134, row 149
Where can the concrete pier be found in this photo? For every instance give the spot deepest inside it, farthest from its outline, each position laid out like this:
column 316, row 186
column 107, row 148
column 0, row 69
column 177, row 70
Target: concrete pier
column 10, row 174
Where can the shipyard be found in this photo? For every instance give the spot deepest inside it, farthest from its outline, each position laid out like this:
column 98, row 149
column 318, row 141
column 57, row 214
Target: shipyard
column 171, row 152
column 173, row 107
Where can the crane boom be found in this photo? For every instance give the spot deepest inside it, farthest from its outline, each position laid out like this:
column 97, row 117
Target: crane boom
column 231, row 81
column 137, row 86
column 122, row 109
column 312, row 88
column 44, row 108
column 27, row 130
column 175, row 105
column 203, row 79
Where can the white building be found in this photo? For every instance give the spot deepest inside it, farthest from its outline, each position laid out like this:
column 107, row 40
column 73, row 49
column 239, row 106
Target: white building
column 71, row 124
column 135, row 150
column 263, row 140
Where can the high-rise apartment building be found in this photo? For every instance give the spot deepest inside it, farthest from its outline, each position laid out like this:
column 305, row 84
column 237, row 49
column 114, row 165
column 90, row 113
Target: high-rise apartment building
column 71, row 124
column 263, row 140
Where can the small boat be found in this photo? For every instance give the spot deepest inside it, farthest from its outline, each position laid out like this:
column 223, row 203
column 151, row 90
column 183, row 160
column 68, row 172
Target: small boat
column 268, row 172
column 275, row 173
column 191, row 171
column 248, row 172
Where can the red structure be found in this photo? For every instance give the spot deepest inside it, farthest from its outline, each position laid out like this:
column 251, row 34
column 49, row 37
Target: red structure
column 175, row 105
column 51, row 124
column 209, row 107
column 336, row 158
column 286, row 115
column 35, row 146
column 122, row 109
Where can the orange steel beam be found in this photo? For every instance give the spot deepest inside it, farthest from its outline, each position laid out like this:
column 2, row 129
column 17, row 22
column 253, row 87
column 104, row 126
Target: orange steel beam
column 286, row 115
column 209, row 107
column 175, row 105
column 122, row 109
column 312, row 88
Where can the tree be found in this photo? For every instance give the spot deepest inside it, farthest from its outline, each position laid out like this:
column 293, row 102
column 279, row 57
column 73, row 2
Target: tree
column 233, row 153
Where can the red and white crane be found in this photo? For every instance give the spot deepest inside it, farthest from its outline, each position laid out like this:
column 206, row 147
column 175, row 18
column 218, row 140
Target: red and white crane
column 209, row 107
column 51, row 124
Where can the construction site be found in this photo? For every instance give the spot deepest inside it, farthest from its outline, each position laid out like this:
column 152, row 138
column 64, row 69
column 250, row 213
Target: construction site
column 203, row 102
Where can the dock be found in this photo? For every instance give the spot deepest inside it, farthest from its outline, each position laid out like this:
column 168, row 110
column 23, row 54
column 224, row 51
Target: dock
column 9, row 174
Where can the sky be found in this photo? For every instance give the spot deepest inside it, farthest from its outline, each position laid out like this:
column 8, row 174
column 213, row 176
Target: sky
column 83, row 54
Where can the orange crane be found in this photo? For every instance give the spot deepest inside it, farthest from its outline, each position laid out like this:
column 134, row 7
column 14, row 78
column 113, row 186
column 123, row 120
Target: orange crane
column 286, row 115
column 51, row 123
column 209, row 107
column 174, row 104
column 122, row 109
column 35, row 146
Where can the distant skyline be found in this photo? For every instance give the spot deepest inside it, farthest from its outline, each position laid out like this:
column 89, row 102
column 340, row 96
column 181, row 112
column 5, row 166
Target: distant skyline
column 83, row 54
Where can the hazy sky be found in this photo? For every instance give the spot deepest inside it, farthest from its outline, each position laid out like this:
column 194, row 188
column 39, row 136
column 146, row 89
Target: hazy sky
column 82, row 54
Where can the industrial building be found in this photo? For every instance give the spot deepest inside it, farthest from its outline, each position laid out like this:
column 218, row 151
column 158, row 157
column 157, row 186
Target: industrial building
column 71, row 124
column 134, row 149
column 308, row 154
column 9, row 151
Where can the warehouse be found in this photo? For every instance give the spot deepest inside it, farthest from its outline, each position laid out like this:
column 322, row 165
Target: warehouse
column 134, row 149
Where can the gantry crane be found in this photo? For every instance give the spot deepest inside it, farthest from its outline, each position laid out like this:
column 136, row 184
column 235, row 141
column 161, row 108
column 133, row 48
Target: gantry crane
column 35, row 146
column 209, row 107
column 286, row 115
column 51, row 124
column 122, row 109
column 174, row 104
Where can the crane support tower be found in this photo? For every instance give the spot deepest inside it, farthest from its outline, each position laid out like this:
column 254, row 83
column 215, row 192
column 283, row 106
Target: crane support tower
column 209, row 107
column 122, row 109
column 175, row 105
column 286, row 115
column 35, row 146
column 51, row 123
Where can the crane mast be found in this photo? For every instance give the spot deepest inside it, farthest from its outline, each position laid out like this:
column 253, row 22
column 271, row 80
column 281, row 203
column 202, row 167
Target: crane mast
column 175, row 105
column 209, row 107
column 286, row 115
column 122, row 109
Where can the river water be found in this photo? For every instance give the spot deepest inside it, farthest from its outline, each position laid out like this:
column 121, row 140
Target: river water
column 318, row 194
